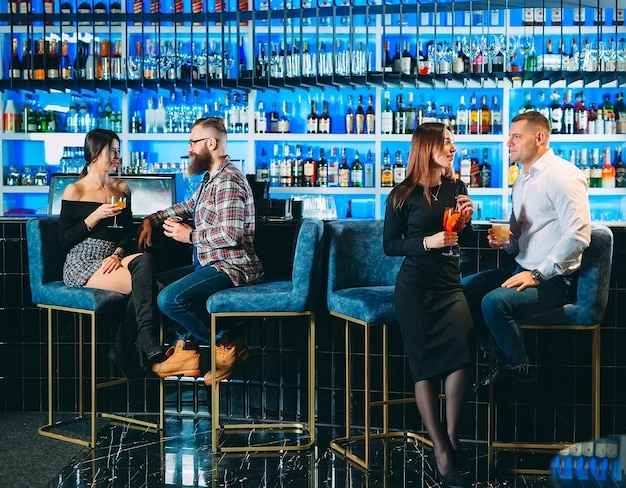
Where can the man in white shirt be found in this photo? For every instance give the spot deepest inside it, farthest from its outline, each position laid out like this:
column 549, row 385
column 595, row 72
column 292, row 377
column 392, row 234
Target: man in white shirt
column 550, row 229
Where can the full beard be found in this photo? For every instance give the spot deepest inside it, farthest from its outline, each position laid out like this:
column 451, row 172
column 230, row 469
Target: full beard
column 200, row 163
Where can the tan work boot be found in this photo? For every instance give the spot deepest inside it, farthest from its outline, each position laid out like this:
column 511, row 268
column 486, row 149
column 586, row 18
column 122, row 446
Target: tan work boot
column 228, row 355
column 185, row 362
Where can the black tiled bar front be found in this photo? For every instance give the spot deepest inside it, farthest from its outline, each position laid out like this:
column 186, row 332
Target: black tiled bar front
column 270, row 383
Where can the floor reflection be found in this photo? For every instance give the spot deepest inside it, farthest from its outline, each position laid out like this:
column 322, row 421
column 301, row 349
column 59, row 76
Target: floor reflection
column 181, row 457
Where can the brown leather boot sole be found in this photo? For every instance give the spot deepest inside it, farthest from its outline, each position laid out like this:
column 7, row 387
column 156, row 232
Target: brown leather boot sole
column 182, row 372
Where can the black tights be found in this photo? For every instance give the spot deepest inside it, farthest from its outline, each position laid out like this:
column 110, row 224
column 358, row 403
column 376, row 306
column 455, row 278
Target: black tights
column 446, row 440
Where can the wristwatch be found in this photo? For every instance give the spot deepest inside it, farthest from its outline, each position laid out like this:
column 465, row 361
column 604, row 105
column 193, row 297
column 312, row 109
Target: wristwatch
column 536, row 275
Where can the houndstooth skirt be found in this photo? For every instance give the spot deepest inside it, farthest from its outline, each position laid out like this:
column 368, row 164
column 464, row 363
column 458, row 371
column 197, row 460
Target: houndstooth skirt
column 84, row 259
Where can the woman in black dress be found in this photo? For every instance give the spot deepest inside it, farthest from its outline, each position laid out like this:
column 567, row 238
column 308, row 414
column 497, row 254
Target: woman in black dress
column 99, row 255
column 434, row 318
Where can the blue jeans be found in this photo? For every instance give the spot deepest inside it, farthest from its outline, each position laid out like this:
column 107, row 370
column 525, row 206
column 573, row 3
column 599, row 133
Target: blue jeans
column 184, row 297
column 497, row 310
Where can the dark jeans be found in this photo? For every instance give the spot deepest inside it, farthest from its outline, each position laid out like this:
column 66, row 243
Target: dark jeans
column 497, row 310
column 185, row 294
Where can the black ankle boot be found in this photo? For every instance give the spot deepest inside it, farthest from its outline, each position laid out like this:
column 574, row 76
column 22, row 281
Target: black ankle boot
column 124, row 360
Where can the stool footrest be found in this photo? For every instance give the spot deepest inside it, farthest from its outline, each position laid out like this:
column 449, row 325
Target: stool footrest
column 250, row 428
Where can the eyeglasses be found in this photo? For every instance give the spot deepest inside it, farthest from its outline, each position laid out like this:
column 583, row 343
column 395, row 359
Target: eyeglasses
column 193, row 141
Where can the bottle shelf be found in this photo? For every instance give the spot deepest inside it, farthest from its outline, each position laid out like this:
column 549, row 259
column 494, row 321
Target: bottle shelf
column 7, row 189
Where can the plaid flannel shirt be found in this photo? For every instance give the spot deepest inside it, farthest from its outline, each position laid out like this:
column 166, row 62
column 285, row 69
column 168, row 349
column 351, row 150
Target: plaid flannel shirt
column 224, row 220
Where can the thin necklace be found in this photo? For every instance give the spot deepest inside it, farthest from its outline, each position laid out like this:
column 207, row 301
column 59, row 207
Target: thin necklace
column 436, row 196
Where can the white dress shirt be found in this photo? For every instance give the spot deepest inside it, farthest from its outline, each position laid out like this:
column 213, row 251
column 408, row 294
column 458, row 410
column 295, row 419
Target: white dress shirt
column 551, row 221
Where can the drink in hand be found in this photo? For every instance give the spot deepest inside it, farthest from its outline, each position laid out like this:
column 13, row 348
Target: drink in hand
column 500, row 231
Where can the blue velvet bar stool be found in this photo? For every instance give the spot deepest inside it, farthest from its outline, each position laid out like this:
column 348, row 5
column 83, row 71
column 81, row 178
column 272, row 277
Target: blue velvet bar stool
column 361, row 286
column 585, row 313
column 297, row 297
column 45, row 260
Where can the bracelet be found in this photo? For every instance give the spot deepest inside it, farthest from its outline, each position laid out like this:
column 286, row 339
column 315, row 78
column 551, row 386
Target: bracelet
column 426, row 248
column 117, row 255
column 190, row 239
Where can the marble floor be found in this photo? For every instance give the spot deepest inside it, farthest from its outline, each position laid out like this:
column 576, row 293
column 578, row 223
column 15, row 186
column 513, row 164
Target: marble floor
column 181, row 457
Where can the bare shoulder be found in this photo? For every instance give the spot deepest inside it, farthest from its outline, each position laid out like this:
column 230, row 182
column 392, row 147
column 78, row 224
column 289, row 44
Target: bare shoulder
column 121, row 186
column 74, row 191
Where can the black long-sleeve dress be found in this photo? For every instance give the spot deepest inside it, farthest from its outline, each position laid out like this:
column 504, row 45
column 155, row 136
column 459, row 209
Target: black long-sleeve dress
column 88, row 248
column 433, row 314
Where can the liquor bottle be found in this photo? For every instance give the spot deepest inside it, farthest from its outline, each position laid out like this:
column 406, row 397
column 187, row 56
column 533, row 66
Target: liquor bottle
column 513, row 173
column 579, row 16
column 15, row 64
column 462, row 117
column 359, row 117
column 297, row 170
column 323, row 125
column 275, row 168
column 312, row 120
column 13, row 9
column 274, row 119
column 52, row 61
column 322, row 170
column 465, row 165
column 474, row 176
column 386, row 173
column 595, row 171
column 399, row 169
column 388, row 63
column 583, row 165
column 368, row 171
column 568, row 113
column 410, row 114
column 386, row 116
column 370, row 116
column 620, row 169
column 407, row 60
column 556, row 113
column 84, row 11
column 485, row 116
column 10, row 117
column 286, row 165
column 344, row 170
column 593, row 118
column 39, row 61
column 581, row 115
column 332, row 172
column 496, row 116
column 309, row 169
column 25, row 7
column 260, row 119
column 397, row 60
column 528, row 104
column 474, row 116
column 608, row 171
column 485, row 170
column 542, row 107
column 399, row 116
column 556, row 16
column 349, row 210
column 349, row 117
column 620, row 114
column 283, row 122
column 528, row 16
column 243, row 62
column 608, row 114
column 262, row 169
column 356, row 171
column 48, row 9
column 619, row 16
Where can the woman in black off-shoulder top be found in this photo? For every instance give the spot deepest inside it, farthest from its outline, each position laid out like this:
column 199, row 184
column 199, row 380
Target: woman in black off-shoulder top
column 99, row 254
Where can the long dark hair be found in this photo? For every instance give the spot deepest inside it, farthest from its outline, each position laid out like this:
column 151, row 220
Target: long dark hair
column 427, row 140
column 96, row 141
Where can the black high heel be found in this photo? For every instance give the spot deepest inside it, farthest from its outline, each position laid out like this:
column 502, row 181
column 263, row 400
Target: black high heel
column 452, row 481
column 121, row 359
column 460, row 461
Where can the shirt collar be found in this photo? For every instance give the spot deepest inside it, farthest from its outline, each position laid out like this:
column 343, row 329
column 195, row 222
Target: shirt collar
column 539, row 165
